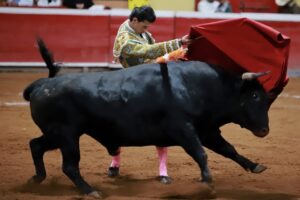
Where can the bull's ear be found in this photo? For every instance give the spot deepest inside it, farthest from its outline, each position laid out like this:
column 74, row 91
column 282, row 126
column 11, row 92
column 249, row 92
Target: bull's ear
column 252, row 75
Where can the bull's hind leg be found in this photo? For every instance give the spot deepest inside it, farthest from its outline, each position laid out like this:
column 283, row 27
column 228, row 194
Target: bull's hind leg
column 71, row 157
column 219, row 145
column 38, row 147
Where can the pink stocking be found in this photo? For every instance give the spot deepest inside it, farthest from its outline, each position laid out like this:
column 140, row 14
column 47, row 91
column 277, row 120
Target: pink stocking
column 116, row 160
column 162, row 155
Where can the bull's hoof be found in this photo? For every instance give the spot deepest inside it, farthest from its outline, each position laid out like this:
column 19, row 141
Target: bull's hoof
column 165, row 179
column 212, row 194
column 113, row 171
column 95, row 195
column 206, row 179
column 211, row 188
column 36, row 179
column 258, row 169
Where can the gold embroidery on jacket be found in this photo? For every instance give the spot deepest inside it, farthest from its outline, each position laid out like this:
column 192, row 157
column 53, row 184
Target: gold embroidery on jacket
column 132, row 49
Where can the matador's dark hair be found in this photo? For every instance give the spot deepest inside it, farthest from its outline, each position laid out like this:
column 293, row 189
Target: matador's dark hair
column 143, row 13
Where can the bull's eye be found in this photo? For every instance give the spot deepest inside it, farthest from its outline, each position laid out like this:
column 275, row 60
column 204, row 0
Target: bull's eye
column 254, row 96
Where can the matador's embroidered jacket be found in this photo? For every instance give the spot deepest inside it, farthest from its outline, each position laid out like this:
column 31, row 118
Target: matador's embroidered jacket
column 132, row 49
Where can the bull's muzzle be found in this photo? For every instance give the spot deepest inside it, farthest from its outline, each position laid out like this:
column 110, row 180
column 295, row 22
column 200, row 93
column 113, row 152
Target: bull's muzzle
column 264, row 132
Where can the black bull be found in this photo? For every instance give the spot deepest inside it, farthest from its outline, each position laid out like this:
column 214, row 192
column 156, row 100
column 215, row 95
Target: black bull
column 181, row 103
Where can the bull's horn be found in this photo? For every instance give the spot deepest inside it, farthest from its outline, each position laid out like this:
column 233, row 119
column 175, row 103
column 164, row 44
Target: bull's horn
column 252, row 75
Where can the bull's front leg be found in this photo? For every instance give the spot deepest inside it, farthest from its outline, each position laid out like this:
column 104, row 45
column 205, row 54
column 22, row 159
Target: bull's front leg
column 219, row 145
column 186, row 136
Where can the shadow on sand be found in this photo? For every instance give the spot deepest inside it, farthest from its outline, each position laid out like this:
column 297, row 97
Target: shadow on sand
column 52, row 187
column 126, row 187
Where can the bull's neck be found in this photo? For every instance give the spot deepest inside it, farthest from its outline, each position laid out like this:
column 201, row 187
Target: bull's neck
column 227, row 107
column 226, row 112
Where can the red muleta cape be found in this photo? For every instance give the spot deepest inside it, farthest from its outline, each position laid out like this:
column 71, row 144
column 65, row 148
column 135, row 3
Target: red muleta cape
column 243, row 45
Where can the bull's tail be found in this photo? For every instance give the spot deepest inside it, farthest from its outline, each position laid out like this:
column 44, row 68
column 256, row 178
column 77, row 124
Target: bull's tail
column 51, row 65
column 48, row 58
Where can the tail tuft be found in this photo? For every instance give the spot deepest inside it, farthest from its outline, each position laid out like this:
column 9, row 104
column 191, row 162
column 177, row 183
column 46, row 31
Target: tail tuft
column 48, row 58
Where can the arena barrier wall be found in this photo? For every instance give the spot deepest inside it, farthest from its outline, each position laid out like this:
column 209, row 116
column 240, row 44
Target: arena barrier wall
column 85, row 37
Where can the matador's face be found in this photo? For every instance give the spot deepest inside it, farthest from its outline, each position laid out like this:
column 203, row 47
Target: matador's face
column 139, row 26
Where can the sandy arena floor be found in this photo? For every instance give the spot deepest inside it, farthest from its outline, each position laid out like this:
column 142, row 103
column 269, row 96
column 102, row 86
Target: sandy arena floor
column 279, row 151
